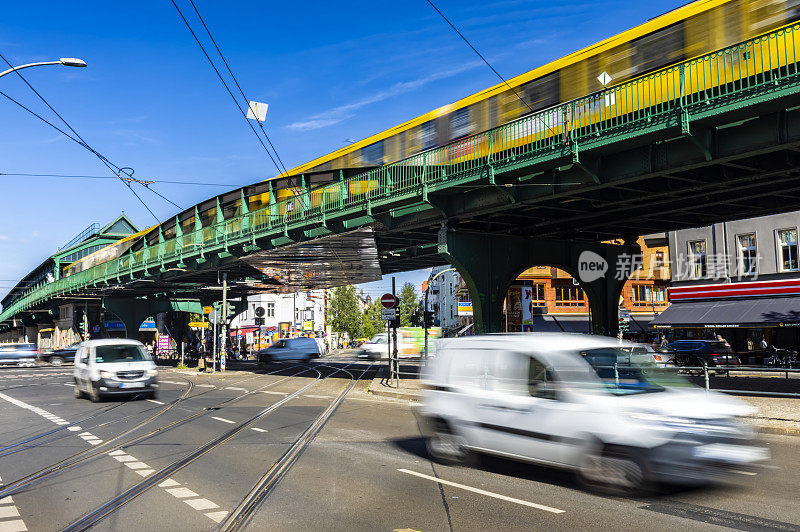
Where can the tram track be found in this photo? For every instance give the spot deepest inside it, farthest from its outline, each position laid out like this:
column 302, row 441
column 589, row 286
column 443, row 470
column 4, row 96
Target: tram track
column 278, row 469
column 103, row 449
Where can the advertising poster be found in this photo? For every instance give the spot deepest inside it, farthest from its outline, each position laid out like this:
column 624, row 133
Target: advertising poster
column 527, row 309
column 163, row 345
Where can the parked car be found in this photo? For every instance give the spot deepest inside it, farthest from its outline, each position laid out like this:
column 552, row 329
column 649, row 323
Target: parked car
column 377, row 347
column 701, row 353
column 299, row 348
column 114, row 367
column 643, row 354
column 60, row 356
column 19, row 354
column 535, row 397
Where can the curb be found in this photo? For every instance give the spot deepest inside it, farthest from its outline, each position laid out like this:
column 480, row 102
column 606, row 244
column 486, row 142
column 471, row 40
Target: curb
column 394, row 394
column 782, row 431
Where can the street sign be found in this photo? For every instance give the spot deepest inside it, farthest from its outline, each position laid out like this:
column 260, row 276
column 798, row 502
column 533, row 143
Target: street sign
column 388, row 301
column 388, row 313
column 207, row 310
column 214, row 317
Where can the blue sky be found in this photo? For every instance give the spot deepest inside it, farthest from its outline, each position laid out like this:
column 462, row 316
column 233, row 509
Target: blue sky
column 330, row 71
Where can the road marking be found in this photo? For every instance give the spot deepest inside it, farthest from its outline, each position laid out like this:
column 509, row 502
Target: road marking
column 118, row 452
column 749, row 473
column 169, row 483
column 98, row 441
column 273, row 393
column 201, row 504
column 137, row 465
column 125, row 458
column 181, row 493
column 216, row 516
column 82, row 434
column 145, row 472
column 222, row 419
column 319, row 396
column 484, row 492
column 156, row 402
column 7, row 510
column 258, row 429
column 206, row 386
column 237, row 389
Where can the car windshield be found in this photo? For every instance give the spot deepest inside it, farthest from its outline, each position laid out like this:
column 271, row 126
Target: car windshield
column 623, row 376
column 106, row 354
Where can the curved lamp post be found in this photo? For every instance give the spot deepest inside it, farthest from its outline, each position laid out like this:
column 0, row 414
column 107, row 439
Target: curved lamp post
column 66, row 61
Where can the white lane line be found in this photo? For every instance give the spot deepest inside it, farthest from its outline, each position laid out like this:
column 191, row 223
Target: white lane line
column 16, row 525
column 154, row 401
column 484, row 492
column 319, row 396
column 273, row 393
column 69, row 384
column 237, row 389
column 201, row 504
column 82, row 434
column 258, row 429
column 137, row 465
column 74, row 428
column 748, row 473
column 181, row 493
column 98, row 441
column 216, row 516
column 7, row 500
column 118, row 452
column 145, row 472
column 205, row 386
column 11, row 511
column 125, row 458
column 169, row 483
column 222, row 419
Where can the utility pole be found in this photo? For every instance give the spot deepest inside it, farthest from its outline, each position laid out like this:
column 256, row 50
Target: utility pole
column 224, row 331
column 396, row 363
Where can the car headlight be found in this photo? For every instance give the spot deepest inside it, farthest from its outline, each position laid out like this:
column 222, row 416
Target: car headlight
column 107, row 374
column 151, row 372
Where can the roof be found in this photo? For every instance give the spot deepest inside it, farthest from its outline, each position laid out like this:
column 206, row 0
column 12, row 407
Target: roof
column 780, row 311
column 111, row 341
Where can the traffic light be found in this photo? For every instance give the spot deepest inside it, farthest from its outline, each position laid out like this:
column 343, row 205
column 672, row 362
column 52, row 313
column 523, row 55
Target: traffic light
column 231, row 309
column 428, row 318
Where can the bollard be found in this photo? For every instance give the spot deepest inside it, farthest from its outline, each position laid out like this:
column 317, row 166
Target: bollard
column 616, row 374
column 705, row 372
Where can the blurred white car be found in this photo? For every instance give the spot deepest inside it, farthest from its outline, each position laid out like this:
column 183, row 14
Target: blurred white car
column 377, row 347
column 560, row 400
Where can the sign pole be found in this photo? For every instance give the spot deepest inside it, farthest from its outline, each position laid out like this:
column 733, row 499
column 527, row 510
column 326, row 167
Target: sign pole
column 394, row 342
column 214, row 348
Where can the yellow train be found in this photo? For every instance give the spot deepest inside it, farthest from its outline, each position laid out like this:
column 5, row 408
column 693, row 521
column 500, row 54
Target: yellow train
column 679, row 35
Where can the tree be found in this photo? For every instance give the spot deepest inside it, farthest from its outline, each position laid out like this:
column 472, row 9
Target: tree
column 344, row 311
column 408, row 306
column 372, row 323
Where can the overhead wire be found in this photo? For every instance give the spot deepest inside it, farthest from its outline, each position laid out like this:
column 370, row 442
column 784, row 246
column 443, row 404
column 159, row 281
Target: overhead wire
column 247, row 101
column 82, row 176
column 507, row 84
column 103, row 159
column 216, row 70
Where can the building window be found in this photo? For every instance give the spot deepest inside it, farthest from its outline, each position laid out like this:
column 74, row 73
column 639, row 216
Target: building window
column 659, row 262
column 270, row 309
column 645, row 295
column 748, row 264
column 538, row 295
column 569, row 296
column 697, row 259
column 787, row 252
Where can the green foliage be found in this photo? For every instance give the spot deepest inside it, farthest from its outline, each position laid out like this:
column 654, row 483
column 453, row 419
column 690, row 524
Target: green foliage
column 181, row 365
column 344, row 311
column 373, row 324
column 408, row 306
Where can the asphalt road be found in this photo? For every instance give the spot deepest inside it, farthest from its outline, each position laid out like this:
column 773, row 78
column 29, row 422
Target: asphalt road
column 366, row 469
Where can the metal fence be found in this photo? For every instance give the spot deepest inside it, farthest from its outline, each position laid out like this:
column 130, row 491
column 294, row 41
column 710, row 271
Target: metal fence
column 761, row 68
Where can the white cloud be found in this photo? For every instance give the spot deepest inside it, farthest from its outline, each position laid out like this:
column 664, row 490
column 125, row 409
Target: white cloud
column 5, row 237
column 343, row 112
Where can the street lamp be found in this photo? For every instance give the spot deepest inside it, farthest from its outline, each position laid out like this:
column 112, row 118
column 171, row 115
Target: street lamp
column 66, row 61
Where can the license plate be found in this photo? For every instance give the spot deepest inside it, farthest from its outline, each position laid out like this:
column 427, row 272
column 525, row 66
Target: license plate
column 131, row 385
column 739, row 454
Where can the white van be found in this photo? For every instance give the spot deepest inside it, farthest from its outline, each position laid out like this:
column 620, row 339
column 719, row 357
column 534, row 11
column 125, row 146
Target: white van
column 538, row 398
column 114, row 367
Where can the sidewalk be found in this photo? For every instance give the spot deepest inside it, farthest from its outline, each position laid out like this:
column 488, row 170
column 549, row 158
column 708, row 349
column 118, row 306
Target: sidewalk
column 776, row 415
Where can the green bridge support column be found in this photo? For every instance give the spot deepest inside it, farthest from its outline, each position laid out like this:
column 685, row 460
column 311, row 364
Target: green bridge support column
column 490, row 263
column 132, row 312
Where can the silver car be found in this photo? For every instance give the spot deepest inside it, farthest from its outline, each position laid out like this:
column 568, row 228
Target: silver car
column 19, row 354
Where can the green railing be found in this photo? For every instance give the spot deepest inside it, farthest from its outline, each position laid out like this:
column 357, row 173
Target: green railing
column 764, row 67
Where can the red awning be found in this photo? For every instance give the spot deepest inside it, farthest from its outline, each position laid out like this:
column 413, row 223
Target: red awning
column 244, row 330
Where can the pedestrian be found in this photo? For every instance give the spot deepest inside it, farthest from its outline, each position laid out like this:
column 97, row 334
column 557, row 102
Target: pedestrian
column 763, row 345
column 663, row 343
column 721, row 339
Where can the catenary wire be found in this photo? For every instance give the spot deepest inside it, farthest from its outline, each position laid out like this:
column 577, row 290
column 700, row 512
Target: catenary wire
column 247, row 101
column 103, row 159
column 81, row 176
column 528, row 105
column 235, row 101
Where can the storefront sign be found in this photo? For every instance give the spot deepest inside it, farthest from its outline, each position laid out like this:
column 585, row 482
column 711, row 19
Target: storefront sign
column 465, row 308
column 721, row 326
column 163, row 345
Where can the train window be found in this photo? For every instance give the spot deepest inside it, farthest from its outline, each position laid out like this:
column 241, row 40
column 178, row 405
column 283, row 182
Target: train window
column 658, row 49
column 372, row 155
column 428, row 134
column 459, row 123
column 767, row 15
column 541, row 92
column 401, row 145
column 493, row 112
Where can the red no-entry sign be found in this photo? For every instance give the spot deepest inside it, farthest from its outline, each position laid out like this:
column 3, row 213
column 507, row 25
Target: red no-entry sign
column 388, row 301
